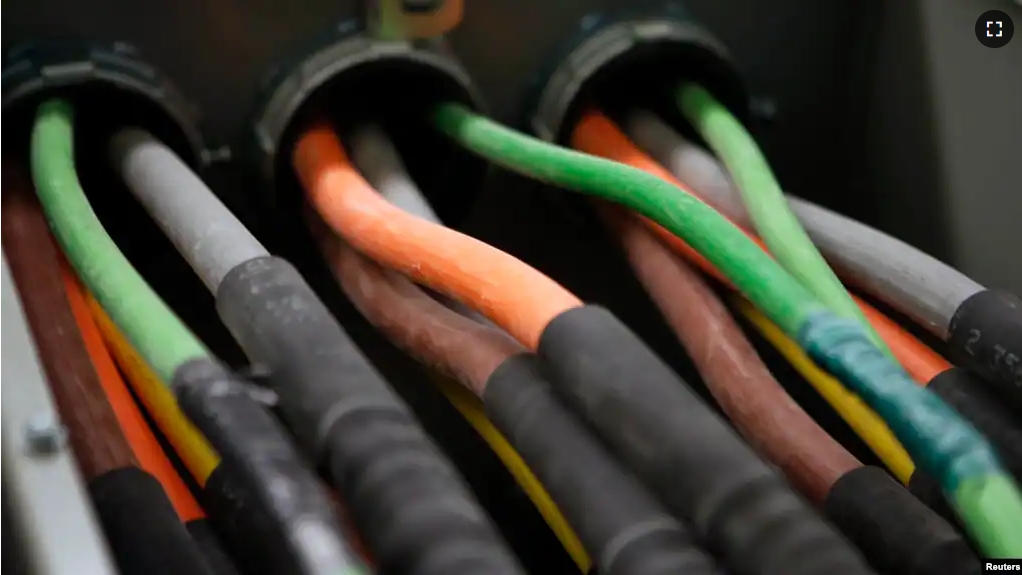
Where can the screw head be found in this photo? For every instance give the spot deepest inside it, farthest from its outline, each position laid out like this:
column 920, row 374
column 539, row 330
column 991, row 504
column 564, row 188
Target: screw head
column 44, row 435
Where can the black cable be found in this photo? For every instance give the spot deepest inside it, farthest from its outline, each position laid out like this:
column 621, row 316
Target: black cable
column 686, row 453
column 985, row 335
column 623, row 527
column 408, row 501
column 252, row 444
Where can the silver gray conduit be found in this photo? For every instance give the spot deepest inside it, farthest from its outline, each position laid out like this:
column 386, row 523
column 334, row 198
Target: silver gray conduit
column 199, row 225
column 917, row 284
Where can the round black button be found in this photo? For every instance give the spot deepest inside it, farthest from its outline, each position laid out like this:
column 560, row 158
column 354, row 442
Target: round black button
column 994, row 29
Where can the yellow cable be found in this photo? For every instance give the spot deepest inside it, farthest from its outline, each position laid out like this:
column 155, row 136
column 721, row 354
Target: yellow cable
column 471, row 409
column 863, row 420
column 191, row 446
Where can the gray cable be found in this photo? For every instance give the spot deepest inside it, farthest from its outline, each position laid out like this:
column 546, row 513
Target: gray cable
column 920, row 286
column 201, row 227
column 376, row 157
column 378, row 160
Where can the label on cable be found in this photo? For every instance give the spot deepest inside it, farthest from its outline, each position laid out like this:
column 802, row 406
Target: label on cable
column 1002, row 565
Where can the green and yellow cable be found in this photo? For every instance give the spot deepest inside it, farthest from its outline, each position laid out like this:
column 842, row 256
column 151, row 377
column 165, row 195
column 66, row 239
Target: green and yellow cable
column 873, row 431
column 938, row 440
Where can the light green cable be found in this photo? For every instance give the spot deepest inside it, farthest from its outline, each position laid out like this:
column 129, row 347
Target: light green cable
column 765, row 202
column 151, row 327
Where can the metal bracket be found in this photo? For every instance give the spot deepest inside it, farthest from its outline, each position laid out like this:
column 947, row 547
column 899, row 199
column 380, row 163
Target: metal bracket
column 45, row 498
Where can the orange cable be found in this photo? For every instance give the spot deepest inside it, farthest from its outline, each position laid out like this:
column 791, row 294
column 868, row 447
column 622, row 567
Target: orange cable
column 596, row 134
column 144, row 444
column 508, row 292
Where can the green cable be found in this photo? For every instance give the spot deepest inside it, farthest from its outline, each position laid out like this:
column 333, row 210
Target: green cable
column 643, row 193
column 153, row 329
column 766, row 204
column 998, row 527
column 985, row 495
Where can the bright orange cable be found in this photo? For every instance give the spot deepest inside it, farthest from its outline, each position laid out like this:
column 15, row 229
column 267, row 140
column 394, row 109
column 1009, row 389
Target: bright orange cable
column 921, row 362
column 143, row 443
column 596, row 134
column 511, row 294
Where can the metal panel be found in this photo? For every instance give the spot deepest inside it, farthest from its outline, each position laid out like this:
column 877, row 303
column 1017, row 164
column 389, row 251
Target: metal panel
column 45, row 500
column 977, row 109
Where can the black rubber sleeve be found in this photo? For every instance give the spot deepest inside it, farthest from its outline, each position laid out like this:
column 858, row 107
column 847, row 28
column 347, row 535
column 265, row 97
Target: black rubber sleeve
column 962, row 391
column 985, row 336
column 301, row 533
column 624, row 529
column 144, row 532
column 898, row 534
column 217, row 559
column 696, row 464
column 239, row 523
column 409, row 503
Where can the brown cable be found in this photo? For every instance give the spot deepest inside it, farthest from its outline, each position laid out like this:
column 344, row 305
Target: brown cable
column 760, row 408
column 95, row 436
column 457, row 346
